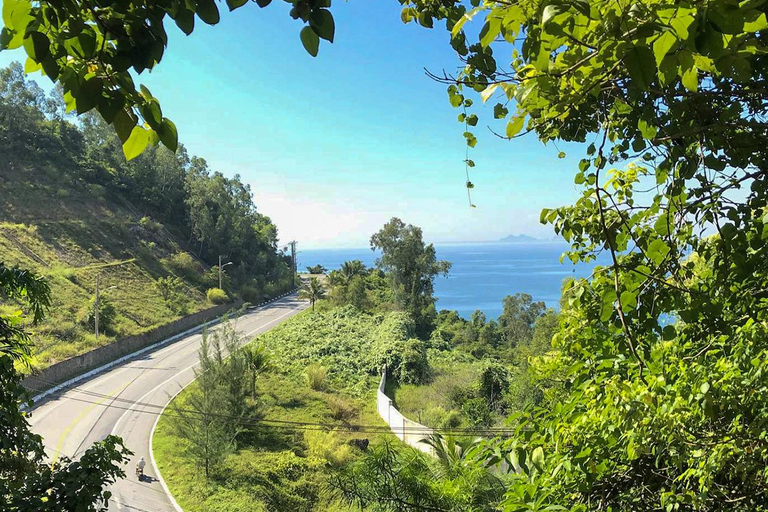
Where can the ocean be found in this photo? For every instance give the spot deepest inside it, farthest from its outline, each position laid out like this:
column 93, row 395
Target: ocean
column 482, row 273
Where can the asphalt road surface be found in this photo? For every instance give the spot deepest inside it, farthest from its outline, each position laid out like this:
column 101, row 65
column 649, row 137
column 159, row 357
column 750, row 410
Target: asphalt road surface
column 127, row 399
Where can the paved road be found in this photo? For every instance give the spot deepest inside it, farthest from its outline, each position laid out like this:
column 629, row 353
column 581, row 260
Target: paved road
column 126, row 401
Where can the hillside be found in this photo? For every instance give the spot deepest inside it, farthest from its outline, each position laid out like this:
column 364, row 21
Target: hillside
column 67, row 233
column 72, row 209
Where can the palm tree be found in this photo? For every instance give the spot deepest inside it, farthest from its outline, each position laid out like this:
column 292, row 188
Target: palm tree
column 257, row 362
column 350, row 269
column 313, row 291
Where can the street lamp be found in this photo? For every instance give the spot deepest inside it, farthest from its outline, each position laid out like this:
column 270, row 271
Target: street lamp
column 220, row 268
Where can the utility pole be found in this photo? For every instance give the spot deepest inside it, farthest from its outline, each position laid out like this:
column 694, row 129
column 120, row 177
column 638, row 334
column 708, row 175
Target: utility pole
column 293, row 243
column 221, row 267
column 96, row 308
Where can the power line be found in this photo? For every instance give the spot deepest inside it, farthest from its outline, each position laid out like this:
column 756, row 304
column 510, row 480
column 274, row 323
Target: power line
column 280, row 424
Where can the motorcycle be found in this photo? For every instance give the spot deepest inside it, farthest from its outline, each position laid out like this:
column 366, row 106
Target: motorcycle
column 139, row 472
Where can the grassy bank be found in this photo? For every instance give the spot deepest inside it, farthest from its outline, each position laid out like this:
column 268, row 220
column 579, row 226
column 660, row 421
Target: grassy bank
column 71, row 233
column 280, row 467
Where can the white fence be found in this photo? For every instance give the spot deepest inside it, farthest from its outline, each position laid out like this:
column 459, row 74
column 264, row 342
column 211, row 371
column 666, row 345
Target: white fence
column 406, row 430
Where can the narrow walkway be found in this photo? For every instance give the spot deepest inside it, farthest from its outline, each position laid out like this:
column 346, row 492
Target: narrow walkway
column 408, row 431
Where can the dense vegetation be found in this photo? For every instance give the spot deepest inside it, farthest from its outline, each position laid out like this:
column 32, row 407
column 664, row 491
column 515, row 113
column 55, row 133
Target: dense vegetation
column 318, row 368
column 28, row 481
column 72, row 208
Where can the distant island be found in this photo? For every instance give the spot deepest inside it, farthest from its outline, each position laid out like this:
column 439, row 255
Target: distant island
column 519, row 239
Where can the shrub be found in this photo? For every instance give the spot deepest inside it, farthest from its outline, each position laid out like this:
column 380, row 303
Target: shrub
column 341, row 409
column 413, row 367
column 493, row 382
column 477, row 412
column 316, row 376
column 150, row 225
column 451, row 420
column 107, row 315
column 182, row 264
column 250, row 294
column 328, row 447
column 216, row 296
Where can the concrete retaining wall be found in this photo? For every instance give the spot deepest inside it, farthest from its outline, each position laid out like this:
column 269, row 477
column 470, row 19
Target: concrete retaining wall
column 77, row 365
column 408, row 431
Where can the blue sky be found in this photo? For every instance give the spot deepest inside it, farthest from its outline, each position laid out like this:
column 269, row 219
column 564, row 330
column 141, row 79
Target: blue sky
column 334, row 146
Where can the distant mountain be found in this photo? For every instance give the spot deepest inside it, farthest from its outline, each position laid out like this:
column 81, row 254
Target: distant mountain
column 520, row 239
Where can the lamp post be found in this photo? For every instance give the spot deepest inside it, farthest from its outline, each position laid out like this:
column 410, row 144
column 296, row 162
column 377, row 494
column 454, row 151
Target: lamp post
column 220, row 269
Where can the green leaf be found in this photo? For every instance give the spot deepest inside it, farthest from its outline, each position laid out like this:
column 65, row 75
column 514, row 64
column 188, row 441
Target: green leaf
column 89, row 94
column 647, row 130
column 514, row 126
column 704, row 388
column 628, row 300
column 470, row 163
column 208, row 12
column 760, row 23
column 322, row 23
column 641, row 65
column 472, row 120
column 561, row 155
column 490, row 31
column 263, row 3
column 668, row 333
column 136, row 144
column 551, row 11
column 37, row 46
column 168, row 134
column 663, row 45
column 185, row 20
column 235, row 4
column 688, row 71
column 537, row 457
column 124, row 123
column 310, row 40
column 657, row 251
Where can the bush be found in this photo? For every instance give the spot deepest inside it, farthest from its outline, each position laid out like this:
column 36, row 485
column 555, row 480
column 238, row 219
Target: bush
column 107, row 315
column 493, row 382
column 413, row 367
column 328, row 447
column 477, row 412
column 316, row 376
column 216, row 296
column 150, row 225
column 451, row 420
column 341, row 409
column 250, row 294
column 182, row 264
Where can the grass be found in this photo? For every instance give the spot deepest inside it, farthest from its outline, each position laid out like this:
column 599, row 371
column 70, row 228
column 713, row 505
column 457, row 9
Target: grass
column 70, row 234
column 287, row 468
column 278, row 469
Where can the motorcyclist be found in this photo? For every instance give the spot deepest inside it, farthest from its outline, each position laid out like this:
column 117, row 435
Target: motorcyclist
column 140, row 466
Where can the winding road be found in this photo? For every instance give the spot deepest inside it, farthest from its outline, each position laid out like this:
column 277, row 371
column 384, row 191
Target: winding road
column 127, row 399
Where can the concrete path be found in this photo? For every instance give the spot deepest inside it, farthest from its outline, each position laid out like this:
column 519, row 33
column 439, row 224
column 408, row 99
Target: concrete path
column 126, row 401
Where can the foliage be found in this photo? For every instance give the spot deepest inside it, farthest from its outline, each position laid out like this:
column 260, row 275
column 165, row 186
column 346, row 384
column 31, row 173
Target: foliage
column 107, row 315
column 316, row 376
column 257, row 361
column 411, row 267
column 216, row 296
column 317, row 269
column 28, row 481
column 661, row 351
column 398, row 479
column 366, row 289
column 519, row 316
column 477, row 411
column 327, row 446
column 341, row 409
column 92, row 51
column 413, row 367
column 96, row 218
column 312, row 291
column 493, row 383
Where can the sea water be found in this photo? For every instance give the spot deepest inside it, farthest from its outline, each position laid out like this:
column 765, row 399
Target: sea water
column 482, row 274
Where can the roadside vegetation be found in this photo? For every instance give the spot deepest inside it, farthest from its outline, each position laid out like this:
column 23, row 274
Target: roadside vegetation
column 150, row 231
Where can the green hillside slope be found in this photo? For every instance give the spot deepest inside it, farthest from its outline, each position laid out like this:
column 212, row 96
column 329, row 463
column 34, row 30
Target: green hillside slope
column 151, row 230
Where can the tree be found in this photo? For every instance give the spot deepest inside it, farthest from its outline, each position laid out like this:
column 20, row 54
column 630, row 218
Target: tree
column 317, row 269
column 661, row 350
column 312, row 291
column 518, row 317
column 411, row 267
column 94, row 54
column 257, row 361
column 203, row 415
column 28, row 481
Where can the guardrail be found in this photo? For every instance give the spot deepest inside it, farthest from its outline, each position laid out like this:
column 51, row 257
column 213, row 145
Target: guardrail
column 408, row 431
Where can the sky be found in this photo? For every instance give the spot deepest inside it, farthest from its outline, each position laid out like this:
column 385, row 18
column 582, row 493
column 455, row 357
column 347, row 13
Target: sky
column 335, row 146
